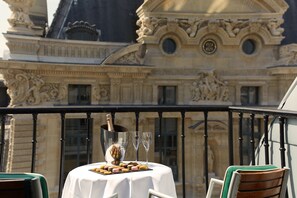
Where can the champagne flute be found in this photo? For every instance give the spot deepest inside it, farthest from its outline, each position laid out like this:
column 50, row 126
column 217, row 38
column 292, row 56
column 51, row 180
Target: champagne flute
column 146, row 141
column 136, row 138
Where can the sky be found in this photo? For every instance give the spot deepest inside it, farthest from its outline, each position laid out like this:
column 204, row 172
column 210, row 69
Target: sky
column 5, row 13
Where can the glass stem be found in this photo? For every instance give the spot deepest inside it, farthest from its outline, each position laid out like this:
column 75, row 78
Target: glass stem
column 136, row 156
column 146, row 157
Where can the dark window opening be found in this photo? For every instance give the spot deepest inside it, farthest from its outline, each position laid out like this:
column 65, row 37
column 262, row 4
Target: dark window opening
column 249, row 46
column 166, row 145
column 249, row 96
column 76, row 133
column 79, row 94
column 166, row 95
column 4, row 97
column 169, row 46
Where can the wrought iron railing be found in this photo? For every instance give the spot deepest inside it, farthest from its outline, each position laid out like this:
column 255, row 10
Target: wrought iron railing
column 231, row 117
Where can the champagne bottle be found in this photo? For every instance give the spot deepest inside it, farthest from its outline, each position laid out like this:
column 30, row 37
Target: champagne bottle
column 109, row 123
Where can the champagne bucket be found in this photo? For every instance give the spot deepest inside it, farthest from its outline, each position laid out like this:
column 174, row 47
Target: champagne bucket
column 108, row 139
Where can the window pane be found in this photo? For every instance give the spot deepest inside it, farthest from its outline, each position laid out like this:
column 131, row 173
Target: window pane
column 166, row 95
column 79, row 94
column 167, row 148
column 249, row 95
column 170, row 95
column 75, row 143
column 169, row 46
column 249, row 46
column 160, row 95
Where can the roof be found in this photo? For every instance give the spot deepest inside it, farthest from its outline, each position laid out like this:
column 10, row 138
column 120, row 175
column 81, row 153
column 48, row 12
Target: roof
column 116, row 20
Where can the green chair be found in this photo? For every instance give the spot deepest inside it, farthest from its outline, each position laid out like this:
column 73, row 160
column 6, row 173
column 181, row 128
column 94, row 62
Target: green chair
column 35, row 183
column 252, row 181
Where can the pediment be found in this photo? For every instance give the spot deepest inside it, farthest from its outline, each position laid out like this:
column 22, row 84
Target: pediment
column 215, row 6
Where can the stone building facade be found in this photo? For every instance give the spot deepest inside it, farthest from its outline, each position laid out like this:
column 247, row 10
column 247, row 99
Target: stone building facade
column 208, row 52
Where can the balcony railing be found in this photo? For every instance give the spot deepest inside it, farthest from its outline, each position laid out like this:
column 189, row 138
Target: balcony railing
column 233, row 114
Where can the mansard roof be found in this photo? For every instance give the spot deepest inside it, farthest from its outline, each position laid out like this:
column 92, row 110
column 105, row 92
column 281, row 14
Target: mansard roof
column 116, row 20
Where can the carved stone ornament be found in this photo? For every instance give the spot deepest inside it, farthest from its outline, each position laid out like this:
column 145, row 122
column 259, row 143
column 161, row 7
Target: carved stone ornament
column 209, row 88
column 102, row 93
column 134, row 57
column 209, row 46
column 149, row 25
column 288, row 54
column 26, row 89
column 19, row 20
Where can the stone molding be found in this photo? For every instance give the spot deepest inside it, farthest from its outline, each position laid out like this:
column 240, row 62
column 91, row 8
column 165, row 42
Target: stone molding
column 35, row 84
column 130, row 55
column 64, row 51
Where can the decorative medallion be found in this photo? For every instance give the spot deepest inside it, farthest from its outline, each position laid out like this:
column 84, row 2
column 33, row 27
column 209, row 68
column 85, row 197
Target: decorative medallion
column 209, row 46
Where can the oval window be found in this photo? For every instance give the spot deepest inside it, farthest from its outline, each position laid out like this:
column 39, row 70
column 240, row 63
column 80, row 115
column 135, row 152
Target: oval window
column 249, row 46
column 169, row 46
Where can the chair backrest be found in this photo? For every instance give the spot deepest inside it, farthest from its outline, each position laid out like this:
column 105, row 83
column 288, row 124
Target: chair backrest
column 15, row 188
column 35, row 184
column 231, row 169
column 267, row 183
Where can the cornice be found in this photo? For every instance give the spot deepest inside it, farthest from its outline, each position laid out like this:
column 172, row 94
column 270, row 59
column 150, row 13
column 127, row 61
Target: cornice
column 70, row 70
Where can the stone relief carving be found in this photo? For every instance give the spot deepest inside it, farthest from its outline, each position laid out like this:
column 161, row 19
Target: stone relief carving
column 233, row 26
column 208, row 87
column 30, row 89
column 274, row 27
column 134, row 58
column 102, row 93
column 20, row 12
column 148, row 25
column 191, row 27
column 288, row 54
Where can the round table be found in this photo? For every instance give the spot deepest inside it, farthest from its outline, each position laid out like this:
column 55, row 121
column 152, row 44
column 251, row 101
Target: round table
column 83, row 183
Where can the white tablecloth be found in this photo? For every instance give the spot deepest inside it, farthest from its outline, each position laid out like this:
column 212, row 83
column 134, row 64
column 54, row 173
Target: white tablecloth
column 82, row 183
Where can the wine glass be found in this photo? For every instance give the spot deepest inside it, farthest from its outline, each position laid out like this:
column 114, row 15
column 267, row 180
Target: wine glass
column 136, row 138
column 146, row 141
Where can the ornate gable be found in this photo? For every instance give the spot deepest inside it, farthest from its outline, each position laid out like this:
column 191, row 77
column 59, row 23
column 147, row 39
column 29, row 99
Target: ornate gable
column 215, row 6
column 229, row 20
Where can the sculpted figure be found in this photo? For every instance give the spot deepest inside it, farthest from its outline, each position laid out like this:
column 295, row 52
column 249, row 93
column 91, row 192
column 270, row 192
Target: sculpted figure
column 274, row 27
column 233, row 27
column 193, row 28
column 288, row 54
column 30, row 89
column 209, row 87
column 20, row 12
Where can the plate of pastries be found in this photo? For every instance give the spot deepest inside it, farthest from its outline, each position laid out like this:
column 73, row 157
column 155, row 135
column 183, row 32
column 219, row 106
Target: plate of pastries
column 108, row 169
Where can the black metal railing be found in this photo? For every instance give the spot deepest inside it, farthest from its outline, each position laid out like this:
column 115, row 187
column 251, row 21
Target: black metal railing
column 182, row 109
